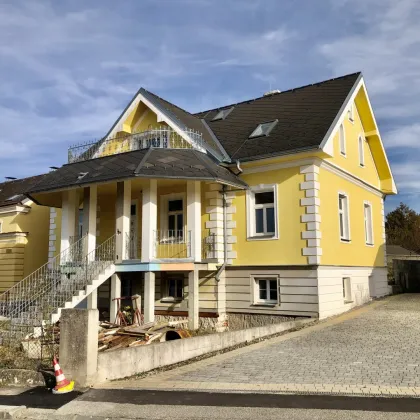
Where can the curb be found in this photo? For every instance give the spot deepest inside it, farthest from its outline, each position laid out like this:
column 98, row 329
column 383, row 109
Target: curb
column 10, row 411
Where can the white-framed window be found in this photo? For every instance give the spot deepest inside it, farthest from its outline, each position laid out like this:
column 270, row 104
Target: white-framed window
column 263, row 129
column 262, row 214
column 343, row 217
column 361, row 151
column 367, row 211
column 1, row 226
column 350, row 113
column 266, row 290
column 172, row 217
column 346, row 289
column 173, row 288
column 342, row 139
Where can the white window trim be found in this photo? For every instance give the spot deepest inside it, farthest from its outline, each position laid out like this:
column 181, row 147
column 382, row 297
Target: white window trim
column 164, row 200
column 165, row 296
column 347, row 295
column 255, row 300
column 368, row 203
column 361, row 141
column 343, row 239
column 350, row 112
column 343, row 151
column 1, row 226
column 250, row 212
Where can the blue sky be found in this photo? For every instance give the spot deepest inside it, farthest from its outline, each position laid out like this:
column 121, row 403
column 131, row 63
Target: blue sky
column 69, row 67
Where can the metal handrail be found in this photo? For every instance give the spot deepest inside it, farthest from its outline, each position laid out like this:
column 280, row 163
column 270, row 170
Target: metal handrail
column 170, row 244
column 162, row 137
column 34, row 300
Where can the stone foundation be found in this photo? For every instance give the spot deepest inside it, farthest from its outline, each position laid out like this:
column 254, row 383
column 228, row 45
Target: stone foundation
column 242, row 321
column 205, row 323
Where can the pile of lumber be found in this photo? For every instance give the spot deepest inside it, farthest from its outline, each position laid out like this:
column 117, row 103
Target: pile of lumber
column 113, row 336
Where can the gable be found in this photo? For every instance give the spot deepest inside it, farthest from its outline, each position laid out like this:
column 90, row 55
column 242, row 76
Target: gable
column 376, row 171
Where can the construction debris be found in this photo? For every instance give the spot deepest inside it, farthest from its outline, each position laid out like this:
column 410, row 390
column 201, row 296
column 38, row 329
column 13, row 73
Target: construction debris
column 113, row 336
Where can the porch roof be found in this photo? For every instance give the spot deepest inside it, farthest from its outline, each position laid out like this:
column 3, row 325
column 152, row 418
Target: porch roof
column 150, row 163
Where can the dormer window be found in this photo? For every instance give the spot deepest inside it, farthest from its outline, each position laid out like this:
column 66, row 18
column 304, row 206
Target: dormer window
column 13, row 197
column 263, row 129
column 222, row 114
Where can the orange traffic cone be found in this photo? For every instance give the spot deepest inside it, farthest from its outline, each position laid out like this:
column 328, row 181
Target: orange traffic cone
column 63, row 385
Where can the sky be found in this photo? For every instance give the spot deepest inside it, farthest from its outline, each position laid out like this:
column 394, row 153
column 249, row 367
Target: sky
column 68, row 68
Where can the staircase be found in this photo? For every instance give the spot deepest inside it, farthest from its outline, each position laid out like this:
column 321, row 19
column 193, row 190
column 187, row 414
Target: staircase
column 63, row 282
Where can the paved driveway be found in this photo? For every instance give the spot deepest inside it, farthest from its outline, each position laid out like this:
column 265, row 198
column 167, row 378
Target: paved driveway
column 372, row 350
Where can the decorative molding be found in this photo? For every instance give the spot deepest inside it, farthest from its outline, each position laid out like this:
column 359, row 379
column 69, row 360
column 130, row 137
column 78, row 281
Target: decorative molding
column 16, row 237
column 311, row 219
column 15, row 209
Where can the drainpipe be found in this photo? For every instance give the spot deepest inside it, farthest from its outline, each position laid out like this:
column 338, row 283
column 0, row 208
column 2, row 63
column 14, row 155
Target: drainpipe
column 223, row 266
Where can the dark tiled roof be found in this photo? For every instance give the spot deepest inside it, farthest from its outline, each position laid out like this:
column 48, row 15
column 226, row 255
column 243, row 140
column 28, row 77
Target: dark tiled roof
column 189, row 120
column 398, row 250
column 304, row 116
column 151, row 163
column 16, row 189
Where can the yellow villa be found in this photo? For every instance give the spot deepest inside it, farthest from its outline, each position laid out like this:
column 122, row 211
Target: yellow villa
column 269, row 207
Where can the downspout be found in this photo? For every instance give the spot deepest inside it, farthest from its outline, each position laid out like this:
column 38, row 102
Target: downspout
column 223, row 266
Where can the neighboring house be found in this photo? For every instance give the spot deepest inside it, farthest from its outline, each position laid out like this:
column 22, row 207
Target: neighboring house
column 397, row 252
column 23, row 232
column 271, row 206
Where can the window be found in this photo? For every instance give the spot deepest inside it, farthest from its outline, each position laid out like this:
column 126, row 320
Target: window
column 368, row 223
column 1, row 227
column 343, row 215
column 361, row 151
column 263, row 129
column 347, row 289
column 342, row 138
column 350, row 113
column 262, row 212
column 222, row 114
column 175, row 219
column 174, row 288
column 267, row 290
column 13, row 197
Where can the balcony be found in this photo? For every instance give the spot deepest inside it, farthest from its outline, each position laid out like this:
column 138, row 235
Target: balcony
column 163, row 138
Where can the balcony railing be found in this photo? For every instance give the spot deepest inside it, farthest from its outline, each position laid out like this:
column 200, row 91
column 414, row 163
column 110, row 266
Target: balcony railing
column 172, row 244
column 163, row 138
column 208, row 247
column 133, row 247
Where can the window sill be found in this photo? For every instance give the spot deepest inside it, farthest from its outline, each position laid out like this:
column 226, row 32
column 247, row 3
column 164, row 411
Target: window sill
column 263, row 238
column 171, row 300
column 343, row 154
column 345, row 241
column 370, row 245
column 348, row 301
column 265, row 304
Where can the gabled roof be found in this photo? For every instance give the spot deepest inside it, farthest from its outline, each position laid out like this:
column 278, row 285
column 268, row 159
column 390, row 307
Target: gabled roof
column 150, row 163
column 304, row 116
column 17, row 189
column 398, row 250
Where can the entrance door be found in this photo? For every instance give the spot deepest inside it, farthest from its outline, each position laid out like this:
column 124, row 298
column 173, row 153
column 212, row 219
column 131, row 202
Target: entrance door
column 133, row 231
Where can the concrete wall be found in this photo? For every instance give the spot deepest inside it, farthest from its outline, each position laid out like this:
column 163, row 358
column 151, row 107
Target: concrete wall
column 126, row 362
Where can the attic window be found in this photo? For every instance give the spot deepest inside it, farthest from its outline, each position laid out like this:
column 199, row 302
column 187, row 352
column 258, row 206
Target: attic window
column 13, row 197
column 222, row 114
column 263, row 129
column 82, row 175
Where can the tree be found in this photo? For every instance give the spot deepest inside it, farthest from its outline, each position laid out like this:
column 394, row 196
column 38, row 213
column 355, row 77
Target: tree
column 403, row 228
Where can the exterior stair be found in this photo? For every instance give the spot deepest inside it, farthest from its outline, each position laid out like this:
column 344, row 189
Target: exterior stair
column 63, row 282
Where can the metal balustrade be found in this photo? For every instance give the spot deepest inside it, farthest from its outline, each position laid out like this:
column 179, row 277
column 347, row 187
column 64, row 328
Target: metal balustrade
column 208, row 247
column 33, row 301
column 163, row 138
column 132, row 247
column 170, row 244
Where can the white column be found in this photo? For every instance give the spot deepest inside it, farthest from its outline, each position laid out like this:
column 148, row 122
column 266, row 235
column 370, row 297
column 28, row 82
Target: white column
column 70, row 208
column 92, row 300
column 90, row 198
column 149, row 221
column 193, row 300
column 194, row 218
column 115, row 293
column 149, row 296
column 122, row 214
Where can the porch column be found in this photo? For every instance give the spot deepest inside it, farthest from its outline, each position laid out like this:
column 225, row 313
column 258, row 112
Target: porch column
column 149, row 221
column 193, row 300
column 69, row 212
column 122, row 214
column 194, row 218
column 90, row 196
column 115, row 293
column 149, row 296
